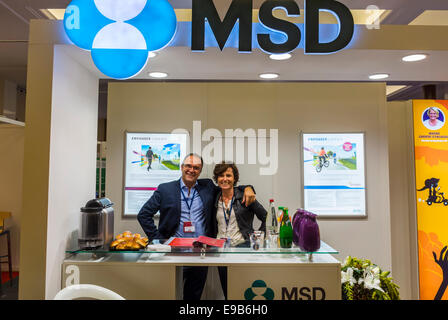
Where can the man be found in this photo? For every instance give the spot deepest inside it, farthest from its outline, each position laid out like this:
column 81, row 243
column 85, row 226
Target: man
column 186, row 207
column 149, row 155
column 322, row 155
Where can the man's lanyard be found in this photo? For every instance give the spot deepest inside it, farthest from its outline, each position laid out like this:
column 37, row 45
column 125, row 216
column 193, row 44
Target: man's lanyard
column 189, row 205
column 188, row 226
column 227, row 212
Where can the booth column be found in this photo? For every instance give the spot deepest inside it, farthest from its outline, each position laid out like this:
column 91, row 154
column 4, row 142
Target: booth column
column 60, row 157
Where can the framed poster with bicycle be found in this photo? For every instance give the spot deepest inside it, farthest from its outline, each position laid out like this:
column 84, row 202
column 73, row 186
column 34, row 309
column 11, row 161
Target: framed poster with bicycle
column 149, row 160
column 333, row 173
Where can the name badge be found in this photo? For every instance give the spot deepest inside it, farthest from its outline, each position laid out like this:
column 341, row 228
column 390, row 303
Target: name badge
column 189, row 227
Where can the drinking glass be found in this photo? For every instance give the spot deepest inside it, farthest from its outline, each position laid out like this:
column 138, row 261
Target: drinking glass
column 256, row 240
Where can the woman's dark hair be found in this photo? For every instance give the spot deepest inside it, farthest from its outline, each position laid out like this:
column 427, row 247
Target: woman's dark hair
column 222, row 167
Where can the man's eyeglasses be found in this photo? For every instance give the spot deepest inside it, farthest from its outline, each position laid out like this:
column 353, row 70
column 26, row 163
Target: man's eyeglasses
column 191, row 167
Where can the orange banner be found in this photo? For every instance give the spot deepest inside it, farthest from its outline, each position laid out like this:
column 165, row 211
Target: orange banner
column 431, row 177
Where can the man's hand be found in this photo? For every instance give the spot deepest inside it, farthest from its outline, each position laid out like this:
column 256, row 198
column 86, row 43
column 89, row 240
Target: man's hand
column 249, row 196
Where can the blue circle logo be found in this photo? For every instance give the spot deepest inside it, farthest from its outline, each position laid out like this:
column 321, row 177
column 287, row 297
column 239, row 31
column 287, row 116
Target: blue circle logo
column 120, row 33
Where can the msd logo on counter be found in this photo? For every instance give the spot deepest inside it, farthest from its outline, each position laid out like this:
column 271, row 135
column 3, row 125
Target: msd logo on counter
column 121, row 33
column 260, row 291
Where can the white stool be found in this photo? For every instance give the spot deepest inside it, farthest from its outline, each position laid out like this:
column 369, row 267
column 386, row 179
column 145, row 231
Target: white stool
column 79, row 291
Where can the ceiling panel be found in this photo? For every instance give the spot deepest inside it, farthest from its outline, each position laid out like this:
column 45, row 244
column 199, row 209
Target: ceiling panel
column 431, row 18
column 12, row 27
column 392, row 89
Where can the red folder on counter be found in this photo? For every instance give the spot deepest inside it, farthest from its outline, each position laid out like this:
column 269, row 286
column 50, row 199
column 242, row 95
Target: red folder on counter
column 192, row 242
column 211, row 241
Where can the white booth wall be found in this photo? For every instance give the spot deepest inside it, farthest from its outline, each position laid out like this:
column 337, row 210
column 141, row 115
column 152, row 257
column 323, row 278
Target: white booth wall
column 288, row 107
column 72, row 171
column 59, row 158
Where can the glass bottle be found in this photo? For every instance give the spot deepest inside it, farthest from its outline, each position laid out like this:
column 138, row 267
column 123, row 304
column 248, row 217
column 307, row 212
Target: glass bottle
column 285, row 235
column 271, row 219
column 274, row 216
column 279, row 219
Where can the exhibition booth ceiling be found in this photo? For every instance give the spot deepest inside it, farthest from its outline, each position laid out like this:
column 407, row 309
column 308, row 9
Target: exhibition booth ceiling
column 348, row 65
column 181, row 64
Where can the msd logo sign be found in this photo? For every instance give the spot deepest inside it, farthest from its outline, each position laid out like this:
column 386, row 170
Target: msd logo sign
column 121, row 33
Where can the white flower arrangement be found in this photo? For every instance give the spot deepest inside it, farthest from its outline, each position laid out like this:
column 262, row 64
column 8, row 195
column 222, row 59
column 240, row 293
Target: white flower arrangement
column 362, row 280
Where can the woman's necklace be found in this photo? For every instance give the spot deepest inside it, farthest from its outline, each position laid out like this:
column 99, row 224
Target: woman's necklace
column 227, row 198
column 227, row 208
column 226, row 201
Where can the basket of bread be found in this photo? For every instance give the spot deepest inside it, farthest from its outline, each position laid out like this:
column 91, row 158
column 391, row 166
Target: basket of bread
column 128, row 241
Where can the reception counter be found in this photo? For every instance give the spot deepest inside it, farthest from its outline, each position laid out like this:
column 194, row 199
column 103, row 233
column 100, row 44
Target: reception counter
column 267, row 273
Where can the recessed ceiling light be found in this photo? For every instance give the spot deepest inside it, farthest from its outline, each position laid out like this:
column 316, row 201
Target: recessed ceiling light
column 378, row 76
column 283, row 56
column 415, row 57
column 158, row 74
column 152, row 54
column 268, row 75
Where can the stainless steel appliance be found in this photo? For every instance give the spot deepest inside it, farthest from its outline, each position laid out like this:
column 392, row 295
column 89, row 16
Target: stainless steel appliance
column 97, row 224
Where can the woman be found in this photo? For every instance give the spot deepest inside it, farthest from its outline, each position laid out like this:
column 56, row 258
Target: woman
column 233, row 220
column 433, row 123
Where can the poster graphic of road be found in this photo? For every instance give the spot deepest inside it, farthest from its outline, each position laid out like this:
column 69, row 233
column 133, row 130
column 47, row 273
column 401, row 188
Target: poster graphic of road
column 338, row 158
column 165, row 157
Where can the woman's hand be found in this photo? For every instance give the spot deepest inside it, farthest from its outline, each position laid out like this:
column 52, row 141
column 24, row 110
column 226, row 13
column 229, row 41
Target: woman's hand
column 248, row 197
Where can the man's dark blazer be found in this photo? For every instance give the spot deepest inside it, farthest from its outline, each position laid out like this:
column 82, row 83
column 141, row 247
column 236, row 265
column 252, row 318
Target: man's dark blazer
column 167, row 200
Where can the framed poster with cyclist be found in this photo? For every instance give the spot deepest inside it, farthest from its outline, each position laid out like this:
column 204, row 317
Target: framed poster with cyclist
column 150, row 159
column 333, row 173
